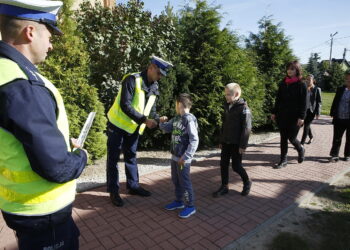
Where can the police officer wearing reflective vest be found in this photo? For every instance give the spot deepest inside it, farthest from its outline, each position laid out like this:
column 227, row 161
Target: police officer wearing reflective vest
column 127, row 119
column 37, row 167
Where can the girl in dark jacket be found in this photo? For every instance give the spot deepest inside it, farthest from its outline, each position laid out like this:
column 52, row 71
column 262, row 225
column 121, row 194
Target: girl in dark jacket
column 289, row 111
column 313, row 107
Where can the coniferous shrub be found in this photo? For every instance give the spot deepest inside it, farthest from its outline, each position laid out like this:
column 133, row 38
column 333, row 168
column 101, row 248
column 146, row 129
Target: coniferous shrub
column 68, row 68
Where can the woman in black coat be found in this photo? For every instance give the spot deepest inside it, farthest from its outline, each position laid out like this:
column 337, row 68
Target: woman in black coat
column 290, row 110
column 340, row 111
column 313, row 107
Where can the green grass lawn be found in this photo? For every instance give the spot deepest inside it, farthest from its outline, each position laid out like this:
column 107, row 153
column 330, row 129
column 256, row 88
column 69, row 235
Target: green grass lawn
column 327, row 99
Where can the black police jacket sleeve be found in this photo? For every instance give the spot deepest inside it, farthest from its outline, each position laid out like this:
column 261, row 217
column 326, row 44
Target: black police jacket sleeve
column 128, row 90
column 31, row 118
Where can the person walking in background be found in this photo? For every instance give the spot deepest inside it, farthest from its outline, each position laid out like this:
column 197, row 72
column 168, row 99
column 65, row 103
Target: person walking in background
column 289, row 111
column 313, row 107
column 38, row 169
column 184, row 143
column 133, row 109
column 235, row 131
column 340, row 111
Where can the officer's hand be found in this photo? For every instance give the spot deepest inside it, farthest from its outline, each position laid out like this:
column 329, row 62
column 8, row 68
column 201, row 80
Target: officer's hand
column 151, row 123
column 300, row 122
column 317, row 117
column 241, row 151
column 76, row 145
column 74, row 142
column 163, row 119
column 220, row 146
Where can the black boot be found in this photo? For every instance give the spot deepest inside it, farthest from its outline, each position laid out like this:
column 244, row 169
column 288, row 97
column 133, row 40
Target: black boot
column 310, row 141
column 246, row 188
column 301, row 154
column 140, row 191
column 334, row 159
column 221, row 191
column 116, row 199
column 281, row 164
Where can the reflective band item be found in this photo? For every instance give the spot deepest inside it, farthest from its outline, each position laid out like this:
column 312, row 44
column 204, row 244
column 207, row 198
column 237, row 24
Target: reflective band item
column 10, row 71
column 147, row 111
column 22, row 191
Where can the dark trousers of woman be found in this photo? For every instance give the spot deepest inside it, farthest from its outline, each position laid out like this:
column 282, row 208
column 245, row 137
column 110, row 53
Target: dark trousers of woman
column 228, row 152
column 339, row 127
column 307, row 126
column 289, row 132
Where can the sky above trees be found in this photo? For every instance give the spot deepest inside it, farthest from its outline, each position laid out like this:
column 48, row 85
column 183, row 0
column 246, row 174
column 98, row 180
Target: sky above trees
column 309, row 23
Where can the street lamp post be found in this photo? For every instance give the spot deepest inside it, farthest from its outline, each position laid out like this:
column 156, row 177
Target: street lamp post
column 330, row 54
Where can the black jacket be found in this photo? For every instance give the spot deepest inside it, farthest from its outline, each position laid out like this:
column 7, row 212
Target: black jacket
column 237, row 124
column 314, row 101
column 336, row 102
column 128, row 90
column 290, row 103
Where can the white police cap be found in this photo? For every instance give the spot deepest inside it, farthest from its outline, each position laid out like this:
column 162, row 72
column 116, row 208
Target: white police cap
column 163, row 65
column 42, row 11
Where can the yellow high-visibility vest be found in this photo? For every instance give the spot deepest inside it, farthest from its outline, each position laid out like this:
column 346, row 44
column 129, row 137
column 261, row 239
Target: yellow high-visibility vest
column 22, row 191
column 119, row 119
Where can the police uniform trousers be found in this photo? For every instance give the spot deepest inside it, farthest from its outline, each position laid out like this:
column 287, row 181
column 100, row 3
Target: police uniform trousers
column 121, row 141
column 45, row 232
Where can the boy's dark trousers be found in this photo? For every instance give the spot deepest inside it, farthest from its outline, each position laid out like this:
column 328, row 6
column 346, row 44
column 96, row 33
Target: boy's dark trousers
column 182, row 182
column 307, row 126
column 228, row 152
column 339, row 127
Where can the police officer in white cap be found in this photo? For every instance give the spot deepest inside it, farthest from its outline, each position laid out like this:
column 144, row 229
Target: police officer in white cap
column 133, row 110
column 37, row 166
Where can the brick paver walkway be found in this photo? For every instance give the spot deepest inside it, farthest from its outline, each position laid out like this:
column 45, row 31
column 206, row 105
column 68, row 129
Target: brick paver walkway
column 143, row 224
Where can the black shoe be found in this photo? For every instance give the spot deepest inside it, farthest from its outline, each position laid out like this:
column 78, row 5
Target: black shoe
column 116, row 199
column 310, row 141
column 301, row 155
column 281, row 164
column 246, row 188
column 221, row 191
column 334, row 159
column 140, row 191
column 346, row 158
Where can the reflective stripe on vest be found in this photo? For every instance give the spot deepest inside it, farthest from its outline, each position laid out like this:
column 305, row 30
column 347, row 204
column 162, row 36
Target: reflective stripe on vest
column 118, row 118
column 22, row 191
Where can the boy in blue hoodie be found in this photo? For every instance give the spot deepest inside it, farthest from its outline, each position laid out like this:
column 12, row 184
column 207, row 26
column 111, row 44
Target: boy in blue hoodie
column 184, row 143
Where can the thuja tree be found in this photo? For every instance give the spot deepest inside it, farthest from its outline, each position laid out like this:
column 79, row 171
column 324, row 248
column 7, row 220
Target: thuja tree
column 67, row 67
column 239, row 67
column 120, row 41
column 271, row 48
column 200, row 51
